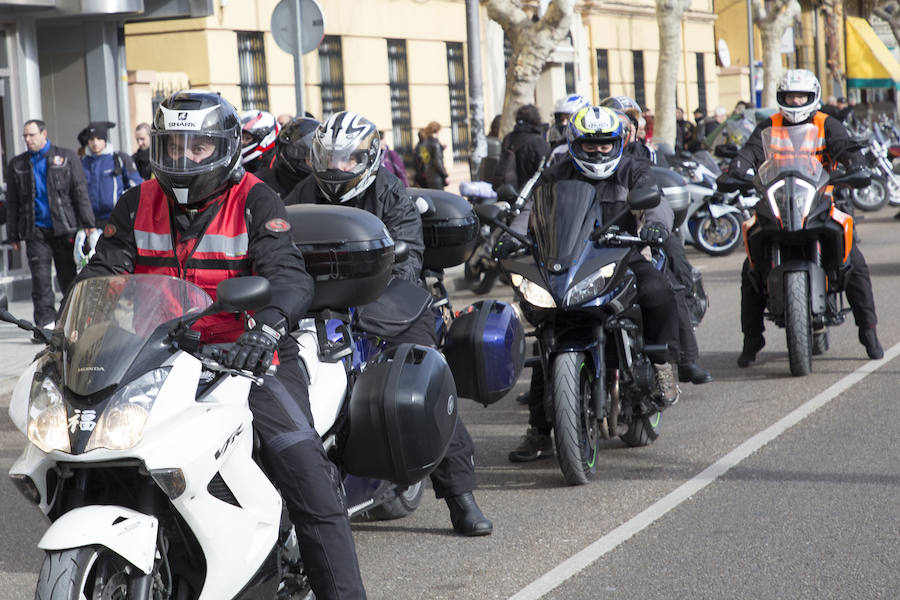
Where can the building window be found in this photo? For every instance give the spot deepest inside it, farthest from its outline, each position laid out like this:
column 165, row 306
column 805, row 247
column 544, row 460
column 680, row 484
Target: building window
column 456, row 76
column 507, row 52
column 603, row 73
column 639, row 93
column 399, row 81
column 570, row 77
column 331, row 69
column 701, row 82
column 252, row 64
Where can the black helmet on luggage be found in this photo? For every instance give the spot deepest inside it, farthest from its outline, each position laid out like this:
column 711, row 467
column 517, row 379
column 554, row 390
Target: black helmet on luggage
column 195, row 145
column 294, row 145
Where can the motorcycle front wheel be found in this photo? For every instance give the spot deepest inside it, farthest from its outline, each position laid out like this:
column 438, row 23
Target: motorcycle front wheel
column 872, row 197
column 87, row 572
column 797, row 323
column 719, row 236
column 575, row 427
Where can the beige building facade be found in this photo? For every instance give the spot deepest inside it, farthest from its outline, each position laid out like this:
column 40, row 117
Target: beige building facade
column 402, row 63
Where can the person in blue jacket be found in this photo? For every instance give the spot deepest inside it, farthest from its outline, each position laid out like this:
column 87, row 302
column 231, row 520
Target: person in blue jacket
column 108, row 172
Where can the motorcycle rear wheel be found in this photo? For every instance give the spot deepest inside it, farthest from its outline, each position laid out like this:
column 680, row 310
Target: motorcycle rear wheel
column 480, row 278
column 575, row 427
column 86, row 572
column 643, row 431
column 719, row 236
column 798, row 326
column 872, row 197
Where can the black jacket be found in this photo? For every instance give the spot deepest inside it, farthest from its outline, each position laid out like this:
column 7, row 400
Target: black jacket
column 141, row 160
column 280, row 180
column 272, row 252
column 387, row 199
column 837, row 141
column 632, row 173
column 70, row 206
column 530, row 148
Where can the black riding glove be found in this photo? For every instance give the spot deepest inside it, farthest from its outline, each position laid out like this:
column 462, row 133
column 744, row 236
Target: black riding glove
column 255, row 349
column 506, row 245
column 654, row 233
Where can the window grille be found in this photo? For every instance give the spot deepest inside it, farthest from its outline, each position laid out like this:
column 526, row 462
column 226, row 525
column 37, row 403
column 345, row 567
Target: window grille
column 603, row 73
column 456, row 76
column 701, row 82
column 331, row 68
column 570, row 77
column 252, row 65
column 398, row 73
column 639, row 92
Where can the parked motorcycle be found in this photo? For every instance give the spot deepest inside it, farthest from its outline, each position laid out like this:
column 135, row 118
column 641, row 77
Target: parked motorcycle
column 578, row 292
column 885, row 185
column 806, row 240
column 140, row 442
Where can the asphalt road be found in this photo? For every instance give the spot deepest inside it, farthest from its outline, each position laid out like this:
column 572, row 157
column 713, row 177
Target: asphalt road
column 761, row 485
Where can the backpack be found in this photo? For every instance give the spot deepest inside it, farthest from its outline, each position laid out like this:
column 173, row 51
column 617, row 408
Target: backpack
column 119, row 162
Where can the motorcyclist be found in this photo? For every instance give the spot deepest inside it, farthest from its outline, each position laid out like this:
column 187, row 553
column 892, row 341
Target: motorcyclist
column 563, row 109
column 292, row 152
column 798, row 95
column 259, row 130
column 346, row 163
column 205, row 220
column 596, row 138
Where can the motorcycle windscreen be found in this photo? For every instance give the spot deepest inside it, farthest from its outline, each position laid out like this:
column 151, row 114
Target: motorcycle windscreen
column 107, row 321
column 562, row 217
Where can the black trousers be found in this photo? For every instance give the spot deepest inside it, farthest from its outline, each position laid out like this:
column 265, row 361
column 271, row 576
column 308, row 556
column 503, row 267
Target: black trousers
column 43, row 250
column 680, row 270
column 455, row 474
column 858, row 291
column 659, row 312
column 309, row 482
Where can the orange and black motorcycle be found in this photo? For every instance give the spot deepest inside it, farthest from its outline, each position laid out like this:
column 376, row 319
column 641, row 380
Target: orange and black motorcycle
column 799, row 241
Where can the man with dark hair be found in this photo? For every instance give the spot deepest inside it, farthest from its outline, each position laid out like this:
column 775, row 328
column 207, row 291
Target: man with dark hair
column 47, row 202
column 522, row 150
column 142, row 156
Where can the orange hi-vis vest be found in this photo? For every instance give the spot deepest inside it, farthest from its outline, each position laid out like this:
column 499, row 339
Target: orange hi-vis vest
column 221, row 251
column 812, row 145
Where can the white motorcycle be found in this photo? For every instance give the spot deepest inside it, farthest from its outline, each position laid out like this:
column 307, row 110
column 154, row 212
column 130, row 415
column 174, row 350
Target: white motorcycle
column 141, row 449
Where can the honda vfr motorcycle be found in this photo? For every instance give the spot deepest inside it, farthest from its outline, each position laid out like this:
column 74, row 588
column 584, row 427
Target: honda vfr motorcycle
column 578, row 292
column 800, row 241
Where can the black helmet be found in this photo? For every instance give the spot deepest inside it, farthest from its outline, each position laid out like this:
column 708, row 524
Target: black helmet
column 294, row 143
column 195, row 145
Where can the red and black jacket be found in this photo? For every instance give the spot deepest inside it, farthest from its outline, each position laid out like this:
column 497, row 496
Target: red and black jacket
column 241, row 232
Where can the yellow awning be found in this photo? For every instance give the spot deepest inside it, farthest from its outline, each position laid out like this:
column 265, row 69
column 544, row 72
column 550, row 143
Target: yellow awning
column 869, row 62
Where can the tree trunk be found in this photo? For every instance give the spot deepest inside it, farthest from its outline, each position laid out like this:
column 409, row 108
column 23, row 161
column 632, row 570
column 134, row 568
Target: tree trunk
column 668, row 15
column 532, row 43
column 772, row 24
column 890, row 12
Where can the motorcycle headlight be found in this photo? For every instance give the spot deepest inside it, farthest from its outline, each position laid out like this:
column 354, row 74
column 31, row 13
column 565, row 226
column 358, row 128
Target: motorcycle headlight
column 121, row 425
column 803, row 196
column 47, row 424
column 777, row 198
column 590, row 287
column 531, row 292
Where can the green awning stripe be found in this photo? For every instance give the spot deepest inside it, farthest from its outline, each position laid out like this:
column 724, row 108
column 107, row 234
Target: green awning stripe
column 873, row 83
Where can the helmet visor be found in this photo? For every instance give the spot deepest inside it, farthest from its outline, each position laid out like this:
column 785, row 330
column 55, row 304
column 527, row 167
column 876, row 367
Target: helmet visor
column 350, row 159
column 187, row 153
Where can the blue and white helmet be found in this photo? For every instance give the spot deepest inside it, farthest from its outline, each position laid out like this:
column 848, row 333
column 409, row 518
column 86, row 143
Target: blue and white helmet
column 595, row 125
column 569, row 105
column 346, row 155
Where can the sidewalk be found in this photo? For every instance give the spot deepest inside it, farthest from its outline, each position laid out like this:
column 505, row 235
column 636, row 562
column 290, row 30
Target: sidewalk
column 16, row 349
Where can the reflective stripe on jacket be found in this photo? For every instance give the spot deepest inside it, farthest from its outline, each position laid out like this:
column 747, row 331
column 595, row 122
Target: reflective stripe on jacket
column 815, row 146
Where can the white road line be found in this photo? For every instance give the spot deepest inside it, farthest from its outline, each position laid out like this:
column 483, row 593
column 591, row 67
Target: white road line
column 638, row 523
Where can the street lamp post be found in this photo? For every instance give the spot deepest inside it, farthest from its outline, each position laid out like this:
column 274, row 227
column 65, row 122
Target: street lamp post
column 752, row 61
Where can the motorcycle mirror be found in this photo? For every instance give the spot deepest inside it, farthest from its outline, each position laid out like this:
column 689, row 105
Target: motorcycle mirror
column 243, row 293
column 487, row 213
column 507, row 193
column 643, row 198
column 401, row 251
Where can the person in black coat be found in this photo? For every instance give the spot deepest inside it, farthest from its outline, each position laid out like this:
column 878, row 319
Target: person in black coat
column 346, row 163
column 523, row 150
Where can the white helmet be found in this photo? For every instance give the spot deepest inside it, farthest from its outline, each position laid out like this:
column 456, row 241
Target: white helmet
column 261, row 131
column 346, row 154
column 569, row 105
column 798, row 81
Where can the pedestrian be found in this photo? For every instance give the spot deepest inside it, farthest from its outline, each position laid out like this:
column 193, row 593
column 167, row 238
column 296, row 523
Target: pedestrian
column 230, row 224
column 683, row 129
column 431, row 155
column 489, row 162
column 369, row 186
column 108, row 172
column 141, row 158
column 47, row 203
column 523, row 149
column 393, row 162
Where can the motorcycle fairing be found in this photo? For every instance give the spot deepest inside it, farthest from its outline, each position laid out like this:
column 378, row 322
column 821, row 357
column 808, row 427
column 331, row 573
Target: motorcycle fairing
column 563, row 216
